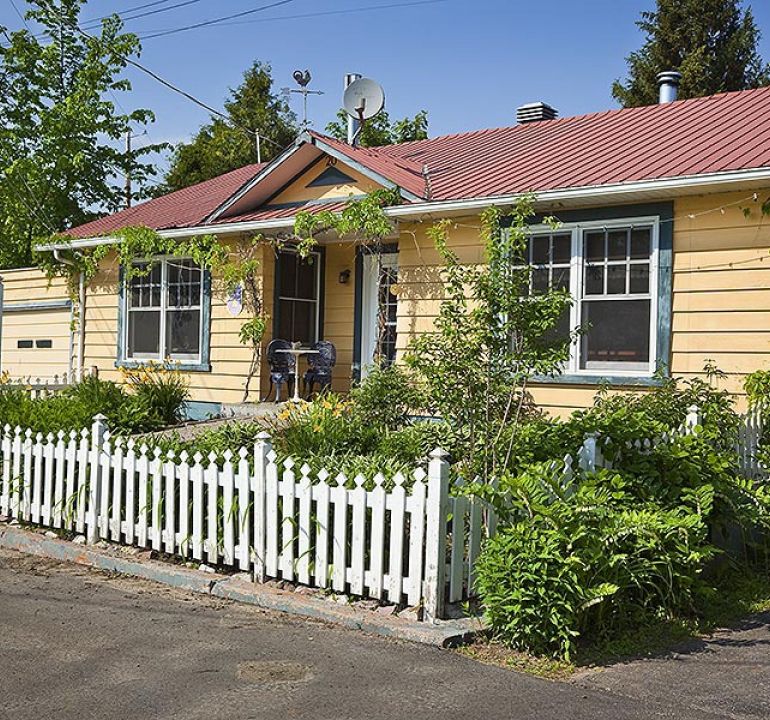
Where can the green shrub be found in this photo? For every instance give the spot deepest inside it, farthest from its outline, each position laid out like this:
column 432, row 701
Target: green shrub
column 72, row 409
column 160, row 394
column 415, row 442
column 324, row 427
column 157, row 400
column 757, row 386
column 387, row 397
column 587, row 560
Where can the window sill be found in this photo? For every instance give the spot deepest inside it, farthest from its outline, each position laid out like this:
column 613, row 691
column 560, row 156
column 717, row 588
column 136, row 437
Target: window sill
column 622, row 380
column 182, row 366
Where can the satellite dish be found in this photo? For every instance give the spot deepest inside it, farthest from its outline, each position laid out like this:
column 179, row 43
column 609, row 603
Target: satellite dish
column 363, row 99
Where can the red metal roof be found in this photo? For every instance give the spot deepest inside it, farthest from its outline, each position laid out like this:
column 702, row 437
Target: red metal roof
column 182, row 208
column 712, row 134
column 719, row 133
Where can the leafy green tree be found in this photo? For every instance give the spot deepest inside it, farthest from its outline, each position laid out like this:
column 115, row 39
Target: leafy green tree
column 713, row 43
column 61, row 156
column 381, row 131
column 221, row 146
column 493, row 336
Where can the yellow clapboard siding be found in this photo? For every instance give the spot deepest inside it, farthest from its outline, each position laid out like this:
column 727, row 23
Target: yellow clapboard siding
column 735, row 342
column 741, row 363
column 724, row 322
column 715, row 280
column 734, row 300
column 706, row 261
column 721, row 302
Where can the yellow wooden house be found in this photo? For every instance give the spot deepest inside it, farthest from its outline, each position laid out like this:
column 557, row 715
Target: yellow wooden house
column 663, row 244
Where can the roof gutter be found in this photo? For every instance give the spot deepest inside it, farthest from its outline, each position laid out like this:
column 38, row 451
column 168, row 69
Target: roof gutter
column 712, row 182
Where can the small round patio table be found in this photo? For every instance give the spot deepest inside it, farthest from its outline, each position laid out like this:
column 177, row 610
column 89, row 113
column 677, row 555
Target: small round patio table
column 297, row 352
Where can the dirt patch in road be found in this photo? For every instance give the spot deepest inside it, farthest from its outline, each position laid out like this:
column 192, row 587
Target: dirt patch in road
column 270, row 673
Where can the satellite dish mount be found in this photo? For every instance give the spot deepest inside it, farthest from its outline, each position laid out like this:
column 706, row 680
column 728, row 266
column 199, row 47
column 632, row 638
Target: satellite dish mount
column 363, row 100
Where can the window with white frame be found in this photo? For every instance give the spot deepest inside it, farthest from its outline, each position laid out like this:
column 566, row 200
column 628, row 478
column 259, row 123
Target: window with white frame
column 610, row 269
column 163, row 311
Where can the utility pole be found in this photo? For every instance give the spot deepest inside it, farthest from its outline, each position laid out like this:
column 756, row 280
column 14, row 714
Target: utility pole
column 128, row 168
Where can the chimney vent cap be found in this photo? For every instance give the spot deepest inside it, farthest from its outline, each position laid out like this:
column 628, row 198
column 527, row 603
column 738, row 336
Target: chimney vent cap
column 535, row 112
column 668, row 82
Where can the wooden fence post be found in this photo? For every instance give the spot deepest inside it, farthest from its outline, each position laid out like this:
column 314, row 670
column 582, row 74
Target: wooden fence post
column 262, row 448
column 98, row 428
column 587, row 454
column 434, row 587
column 693, row 419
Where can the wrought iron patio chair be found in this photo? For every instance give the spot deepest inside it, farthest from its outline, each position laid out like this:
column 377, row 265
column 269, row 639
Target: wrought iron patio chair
column 319, row 367
column 282, row 368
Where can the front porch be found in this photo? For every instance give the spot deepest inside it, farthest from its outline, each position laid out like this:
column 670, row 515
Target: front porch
column 342, row 293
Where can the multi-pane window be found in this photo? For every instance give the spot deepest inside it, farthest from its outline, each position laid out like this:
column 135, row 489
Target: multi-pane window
column 550, row 256
column 298, row 297
column 616, row 303
column 164, row 310
column 610, row 273
column 387, row 310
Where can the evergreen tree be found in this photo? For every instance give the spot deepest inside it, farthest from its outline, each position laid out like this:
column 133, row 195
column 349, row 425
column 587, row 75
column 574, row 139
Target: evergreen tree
column 221, row 146
column 61, row 138
column 380, row 131
column 713, row 43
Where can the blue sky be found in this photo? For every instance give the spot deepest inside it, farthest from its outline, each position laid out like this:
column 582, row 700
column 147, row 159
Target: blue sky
column 469, row 63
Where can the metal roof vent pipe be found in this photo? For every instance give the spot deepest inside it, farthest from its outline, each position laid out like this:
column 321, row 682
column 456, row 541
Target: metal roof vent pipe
column 535, row 112
column 353, row 124
column 668, row 82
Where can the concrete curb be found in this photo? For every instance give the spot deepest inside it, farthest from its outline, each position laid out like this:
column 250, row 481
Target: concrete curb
column 445, row 633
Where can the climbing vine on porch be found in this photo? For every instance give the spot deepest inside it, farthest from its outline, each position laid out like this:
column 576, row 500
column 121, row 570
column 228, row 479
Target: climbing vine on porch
column 362, row 218
column 232, row 266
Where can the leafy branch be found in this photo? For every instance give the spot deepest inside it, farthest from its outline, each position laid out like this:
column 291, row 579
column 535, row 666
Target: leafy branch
column 363, row 219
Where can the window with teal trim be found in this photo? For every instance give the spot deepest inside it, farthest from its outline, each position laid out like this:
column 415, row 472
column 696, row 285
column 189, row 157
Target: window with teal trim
column 611, row 270
column 163, row 311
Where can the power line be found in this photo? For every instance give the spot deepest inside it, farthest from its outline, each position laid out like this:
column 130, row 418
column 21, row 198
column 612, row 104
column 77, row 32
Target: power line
column 302, row 16
column 128, row 10
column 214, row 21
column 123, row 14
column 146, row 14
column 198, row 102
column 20, row 14
column 166, row 83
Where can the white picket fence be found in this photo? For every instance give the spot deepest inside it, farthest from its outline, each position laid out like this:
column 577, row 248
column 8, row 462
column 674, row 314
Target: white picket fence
column 594, row 453
column 407, row 541
column 40, row 387
column 747, row 445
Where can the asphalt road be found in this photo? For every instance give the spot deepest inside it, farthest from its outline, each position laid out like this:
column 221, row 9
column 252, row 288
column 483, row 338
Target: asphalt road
column 75, row 643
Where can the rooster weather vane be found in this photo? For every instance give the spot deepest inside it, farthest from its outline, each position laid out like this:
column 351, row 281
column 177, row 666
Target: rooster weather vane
column 303, row 78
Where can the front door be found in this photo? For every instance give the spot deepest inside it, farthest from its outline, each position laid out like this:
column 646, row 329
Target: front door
column 379, row 310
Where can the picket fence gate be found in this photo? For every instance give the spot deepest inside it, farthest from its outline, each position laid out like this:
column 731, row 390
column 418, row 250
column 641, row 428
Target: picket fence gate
column 407, row 541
